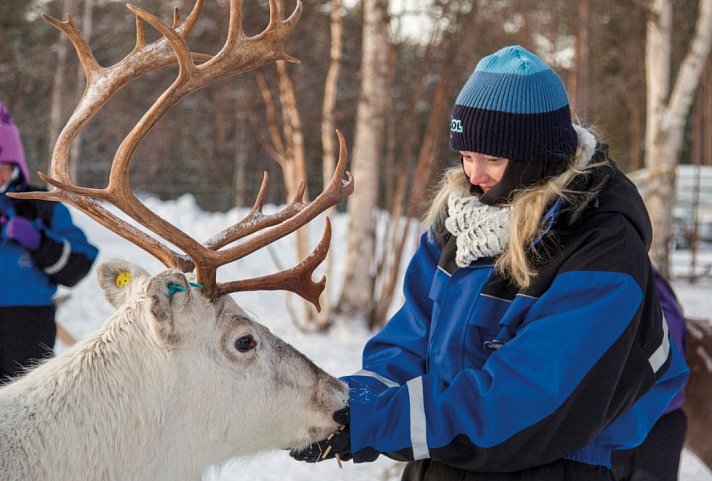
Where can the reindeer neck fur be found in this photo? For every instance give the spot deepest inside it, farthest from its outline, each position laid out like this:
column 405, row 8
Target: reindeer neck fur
column 120, row 380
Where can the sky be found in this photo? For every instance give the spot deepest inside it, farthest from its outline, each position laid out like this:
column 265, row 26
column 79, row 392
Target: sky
column 338, row 352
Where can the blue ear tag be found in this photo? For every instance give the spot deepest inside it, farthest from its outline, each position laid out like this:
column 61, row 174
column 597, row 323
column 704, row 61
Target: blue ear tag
column 173, row 288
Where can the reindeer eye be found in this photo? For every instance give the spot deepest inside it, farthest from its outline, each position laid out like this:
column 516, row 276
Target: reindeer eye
column 245, row 343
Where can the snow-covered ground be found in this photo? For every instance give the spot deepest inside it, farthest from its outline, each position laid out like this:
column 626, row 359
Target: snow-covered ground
column 338, row 352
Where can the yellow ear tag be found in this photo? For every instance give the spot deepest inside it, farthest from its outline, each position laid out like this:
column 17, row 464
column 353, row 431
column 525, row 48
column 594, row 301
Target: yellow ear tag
column 122, row 279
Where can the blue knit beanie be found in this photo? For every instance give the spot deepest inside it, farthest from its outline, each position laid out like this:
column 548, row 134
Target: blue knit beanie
column 514, row 106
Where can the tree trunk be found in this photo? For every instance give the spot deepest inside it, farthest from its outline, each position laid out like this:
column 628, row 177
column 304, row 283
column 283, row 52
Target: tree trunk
column 636, row 119
column 76, row 149
column 328, row 135
column 328, row 138
column 706, row 134
column 707, row 85
column 240, row 156
column 55, row 110
column 356, row 298
column 288, row 151
column 581, row 98
column 666, row 118
column 416, row 185
column 296, row 167
column 293, row 134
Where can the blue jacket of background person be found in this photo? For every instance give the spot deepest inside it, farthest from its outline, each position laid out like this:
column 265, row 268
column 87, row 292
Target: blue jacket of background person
column 480, row 375
column 64, row 256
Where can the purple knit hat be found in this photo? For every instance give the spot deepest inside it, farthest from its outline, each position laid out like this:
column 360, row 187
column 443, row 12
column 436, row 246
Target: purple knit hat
column 11, row 151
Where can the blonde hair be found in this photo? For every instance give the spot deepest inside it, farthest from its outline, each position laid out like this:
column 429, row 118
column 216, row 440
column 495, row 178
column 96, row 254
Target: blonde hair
column 528, row 208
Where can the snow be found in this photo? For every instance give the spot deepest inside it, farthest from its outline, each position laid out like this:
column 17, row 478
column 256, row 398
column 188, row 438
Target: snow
column 338, row 352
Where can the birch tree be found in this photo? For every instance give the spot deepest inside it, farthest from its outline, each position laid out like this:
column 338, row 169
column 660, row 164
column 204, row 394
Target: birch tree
column 581, row 97
column 55, row 110
column 240, row 156
column 87, row 26
column 328, row 137
column 667, row 112
column 356, row 298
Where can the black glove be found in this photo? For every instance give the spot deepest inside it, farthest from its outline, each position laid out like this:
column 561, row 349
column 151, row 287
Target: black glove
column 338, row 442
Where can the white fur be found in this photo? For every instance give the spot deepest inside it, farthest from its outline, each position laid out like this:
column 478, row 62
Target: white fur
column 586, row 142
column 161, row 392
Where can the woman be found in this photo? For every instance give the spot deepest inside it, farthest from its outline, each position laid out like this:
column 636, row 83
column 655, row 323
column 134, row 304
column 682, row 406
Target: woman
column 531, row 342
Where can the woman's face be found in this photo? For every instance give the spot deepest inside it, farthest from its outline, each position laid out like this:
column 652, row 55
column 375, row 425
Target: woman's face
column 483, row 171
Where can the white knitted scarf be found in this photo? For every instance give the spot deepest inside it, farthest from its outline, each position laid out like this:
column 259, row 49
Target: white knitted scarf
column 480, row 230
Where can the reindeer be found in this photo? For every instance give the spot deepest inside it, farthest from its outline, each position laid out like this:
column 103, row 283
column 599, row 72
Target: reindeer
column 180, row 377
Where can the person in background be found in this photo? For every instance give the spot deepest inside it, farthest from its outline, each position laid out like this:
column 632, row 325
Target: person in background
column 531, row 344
column 658, row 457
column 40, row 248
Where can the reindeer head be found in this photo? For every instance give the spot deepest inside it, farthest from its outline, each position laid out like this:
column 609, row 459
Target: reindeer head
column 275, row 396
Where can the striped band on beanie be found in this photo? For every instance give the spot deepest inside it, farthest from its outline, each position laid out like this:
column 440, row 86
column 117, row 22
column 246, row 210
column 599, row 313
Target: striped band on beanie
column 514, row 106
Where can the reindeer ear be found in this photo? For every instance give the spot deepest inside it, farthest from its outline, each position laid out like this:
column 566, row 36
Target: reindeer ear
column 169, row 293
column 119, row 278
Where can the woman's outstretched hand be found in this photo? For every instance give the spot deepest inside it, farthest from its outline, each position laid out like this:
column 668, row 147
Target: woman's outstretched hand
column 336, row 445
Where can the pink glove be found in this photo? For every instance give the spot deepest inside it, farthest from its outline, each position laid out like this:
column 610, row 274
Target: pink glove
column 23, row 231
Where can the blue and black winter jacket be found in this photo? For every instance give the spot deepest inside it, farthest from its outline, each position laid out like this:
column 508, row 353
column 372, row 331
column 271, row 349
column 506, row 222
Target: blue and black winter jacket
column 30, row 279
column 480, row 375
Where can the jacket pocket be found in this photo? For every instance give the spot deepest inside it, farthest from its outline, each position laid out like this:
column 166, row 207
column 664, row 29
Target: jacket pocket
column 483, row 327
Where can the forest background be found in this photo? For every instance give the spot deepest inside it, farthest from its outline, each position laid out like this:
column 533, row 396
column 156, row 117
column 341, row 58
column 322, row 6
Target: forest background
column 385, row 74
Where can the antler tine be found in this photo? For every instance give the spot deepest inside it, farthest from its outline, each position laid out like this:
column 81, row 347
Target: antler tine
column 235, row 32
column 285, row 26
column 297, row 279
column 274, row 17
column 260, row 199
column 337, row 190
column 238, row 54
column 140, row 35
column 255, row 220
column 86, row 56
column 299, row 195
column 176, row 17
column 191, row 19
column 75, row 189
column 275, row 20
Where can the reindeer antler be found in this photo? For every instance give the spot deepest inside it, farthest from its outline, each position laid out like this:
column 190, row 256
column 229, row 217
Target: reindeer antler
column 239, row 54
